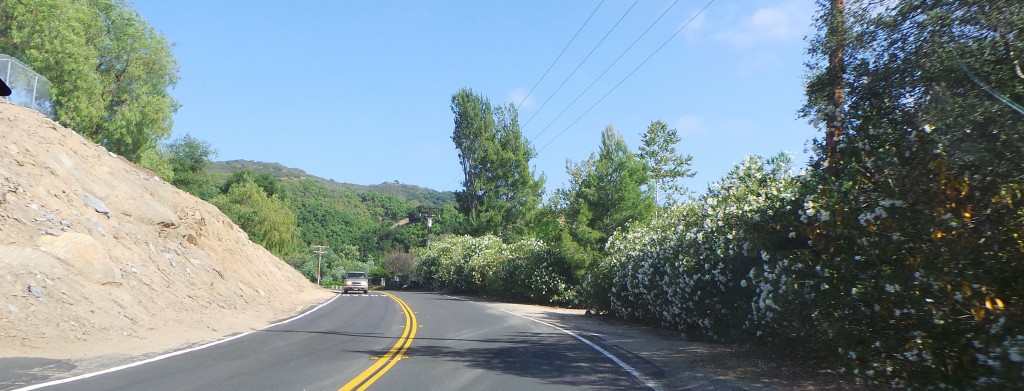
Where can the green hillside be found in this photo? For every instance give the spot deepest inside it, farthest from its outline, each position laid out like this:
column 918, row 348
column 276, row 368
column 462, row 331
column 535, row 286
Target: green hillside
column 289, row 211
column 416, row 194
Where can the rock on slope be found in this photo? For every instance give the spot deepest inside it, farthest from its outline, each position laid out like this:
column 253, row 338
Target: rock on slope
column 99, row 256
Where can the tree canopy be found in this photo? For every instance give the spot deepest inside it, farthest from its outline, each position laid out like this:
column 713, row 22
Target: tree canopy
column 109, row 70
column 607, row 191
column 920, row 186
column 189, row 159
column 499, row 190
column 665, row 166
column 268, row 220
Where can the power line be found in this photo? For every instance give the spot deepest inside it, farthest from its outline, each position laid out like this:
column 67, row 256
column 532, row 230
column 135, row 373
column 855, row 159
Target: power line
column 581, row 63
column 560, row 56
column 630, row 74
column 561, row 53
column 1000, row 97
column 606, row 70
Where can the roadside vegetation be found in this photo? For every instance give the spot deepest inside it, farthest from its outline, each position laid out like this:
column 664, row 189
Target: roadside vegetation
column 898, row 253
column 109, row 70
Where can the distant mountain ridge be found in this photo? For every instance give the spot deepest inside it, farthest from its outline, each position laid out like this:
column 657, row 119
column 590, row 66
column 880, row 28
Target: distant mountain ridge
column 223, row 169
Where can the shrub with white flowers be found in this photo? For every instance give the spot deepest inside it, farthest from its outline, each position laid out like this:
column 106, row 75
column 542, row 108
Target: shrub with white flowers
column 691, row 268
column 903, row 282
column 919, row 266
column 526, row 270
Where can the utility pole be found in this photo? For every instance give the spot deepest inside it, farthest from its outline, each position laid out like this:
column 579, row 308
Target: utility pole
column 430, row 224
column 319, row 250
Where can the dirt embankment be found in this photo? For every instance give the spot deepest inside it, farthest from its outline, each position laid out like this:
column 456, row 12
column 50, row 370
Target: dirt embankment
column 99, row 256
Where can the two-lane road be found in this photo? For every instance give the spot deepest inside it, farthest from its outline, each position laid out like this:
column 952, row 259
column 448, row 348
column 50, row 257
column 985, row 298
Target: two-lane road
column 404, row 341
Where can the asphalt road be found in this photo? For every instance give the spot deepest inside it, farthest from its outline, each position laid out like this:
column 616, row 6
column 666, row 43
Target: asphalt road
column 409, row 341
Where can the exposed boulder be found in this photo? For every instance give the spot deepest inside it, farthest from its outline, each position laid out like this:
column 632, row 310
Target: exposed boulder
column 84, row 254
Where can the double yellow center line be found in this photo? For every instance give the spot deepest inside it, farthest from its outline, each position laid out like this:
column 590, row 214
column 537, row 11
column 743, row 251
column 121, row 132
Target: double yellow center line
column 378, row 369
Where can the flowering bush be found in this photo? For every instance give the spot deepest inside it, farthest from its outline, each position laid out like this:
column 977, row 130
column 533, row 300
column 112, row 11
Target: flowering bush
column 692, row 268
column 920, row 262
column 894, row 271
column 527, row 270
column 453, row 262
column 914, row 209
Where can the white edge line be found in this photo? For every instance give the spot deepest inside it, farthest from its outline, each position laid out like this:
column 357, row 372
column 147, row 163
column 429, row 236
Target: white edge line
column 628, row 367
column 168, row 355
column 616, row 360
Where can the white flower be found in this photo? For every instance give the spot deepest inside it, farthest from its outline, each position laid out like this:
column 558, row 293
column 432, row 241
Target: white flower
column 1015, row 354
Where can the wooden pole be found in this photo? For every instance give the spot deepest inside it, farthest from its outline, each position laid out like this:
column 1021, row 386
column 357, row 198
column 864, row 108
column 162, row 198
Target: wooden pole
column 319, row 250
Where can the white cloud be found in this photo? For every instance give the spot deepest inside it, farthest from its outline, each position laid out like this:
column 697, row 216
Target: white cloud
column 773, row 23
column 690, row 126
column 517, row 95
column 778, row 23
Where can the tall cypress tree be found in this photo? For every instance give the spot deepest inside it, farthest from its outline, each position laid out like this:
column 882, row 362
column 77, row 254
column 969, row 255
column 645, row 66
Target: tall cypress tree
column 499, row 190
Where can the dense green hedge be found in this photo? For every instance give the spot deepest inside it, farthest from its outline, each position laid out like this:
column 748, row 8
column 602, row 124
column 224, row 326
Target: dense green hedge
column 900, row 285
column 527, row 270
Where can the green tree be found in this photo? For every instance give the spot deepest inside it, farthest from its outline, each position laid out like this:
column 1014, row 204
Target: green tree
column 158, row 160
column 109, row 70
column 499, row 190
column 665, row 167
column 330, row 216
column 919, row 222
column 189, row 157
column 474, row 130
column 606, row 192
column 333, row 264
column 267, row 220
column 265, row 181
column 447, row 219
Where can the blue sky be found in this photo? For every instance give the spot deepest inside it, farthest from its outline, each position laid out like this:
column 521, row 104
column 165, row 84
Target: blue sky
column 360, row 91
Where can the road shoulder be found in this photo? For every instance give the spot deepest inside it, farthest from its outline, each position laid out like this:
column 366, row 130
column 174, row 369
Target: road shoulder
column 674, row 363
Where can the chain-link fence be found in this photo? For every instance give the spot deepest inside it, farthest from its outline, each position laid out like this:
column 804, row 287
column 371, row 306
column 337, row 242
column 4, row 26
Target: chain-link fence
column 28, row 88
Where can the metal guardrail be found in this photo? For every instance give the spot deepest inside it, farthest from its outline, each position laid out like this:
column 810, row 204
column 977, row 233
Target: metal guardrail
column 28, row 88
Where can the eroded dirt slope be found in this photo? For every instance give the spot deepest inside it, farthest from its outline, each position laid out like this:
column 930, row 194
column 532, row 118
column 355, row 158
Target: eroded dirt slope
column 99, row 256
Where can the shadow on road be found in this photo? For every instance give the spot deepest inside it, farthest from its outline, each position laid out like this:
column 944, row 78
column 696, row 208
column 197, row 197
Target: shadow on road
column 531, row 355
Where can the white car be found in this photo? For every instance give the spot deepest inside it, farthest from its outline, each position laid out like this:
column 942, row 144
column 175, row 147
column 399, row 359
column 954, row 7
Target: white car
column 356, row 281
